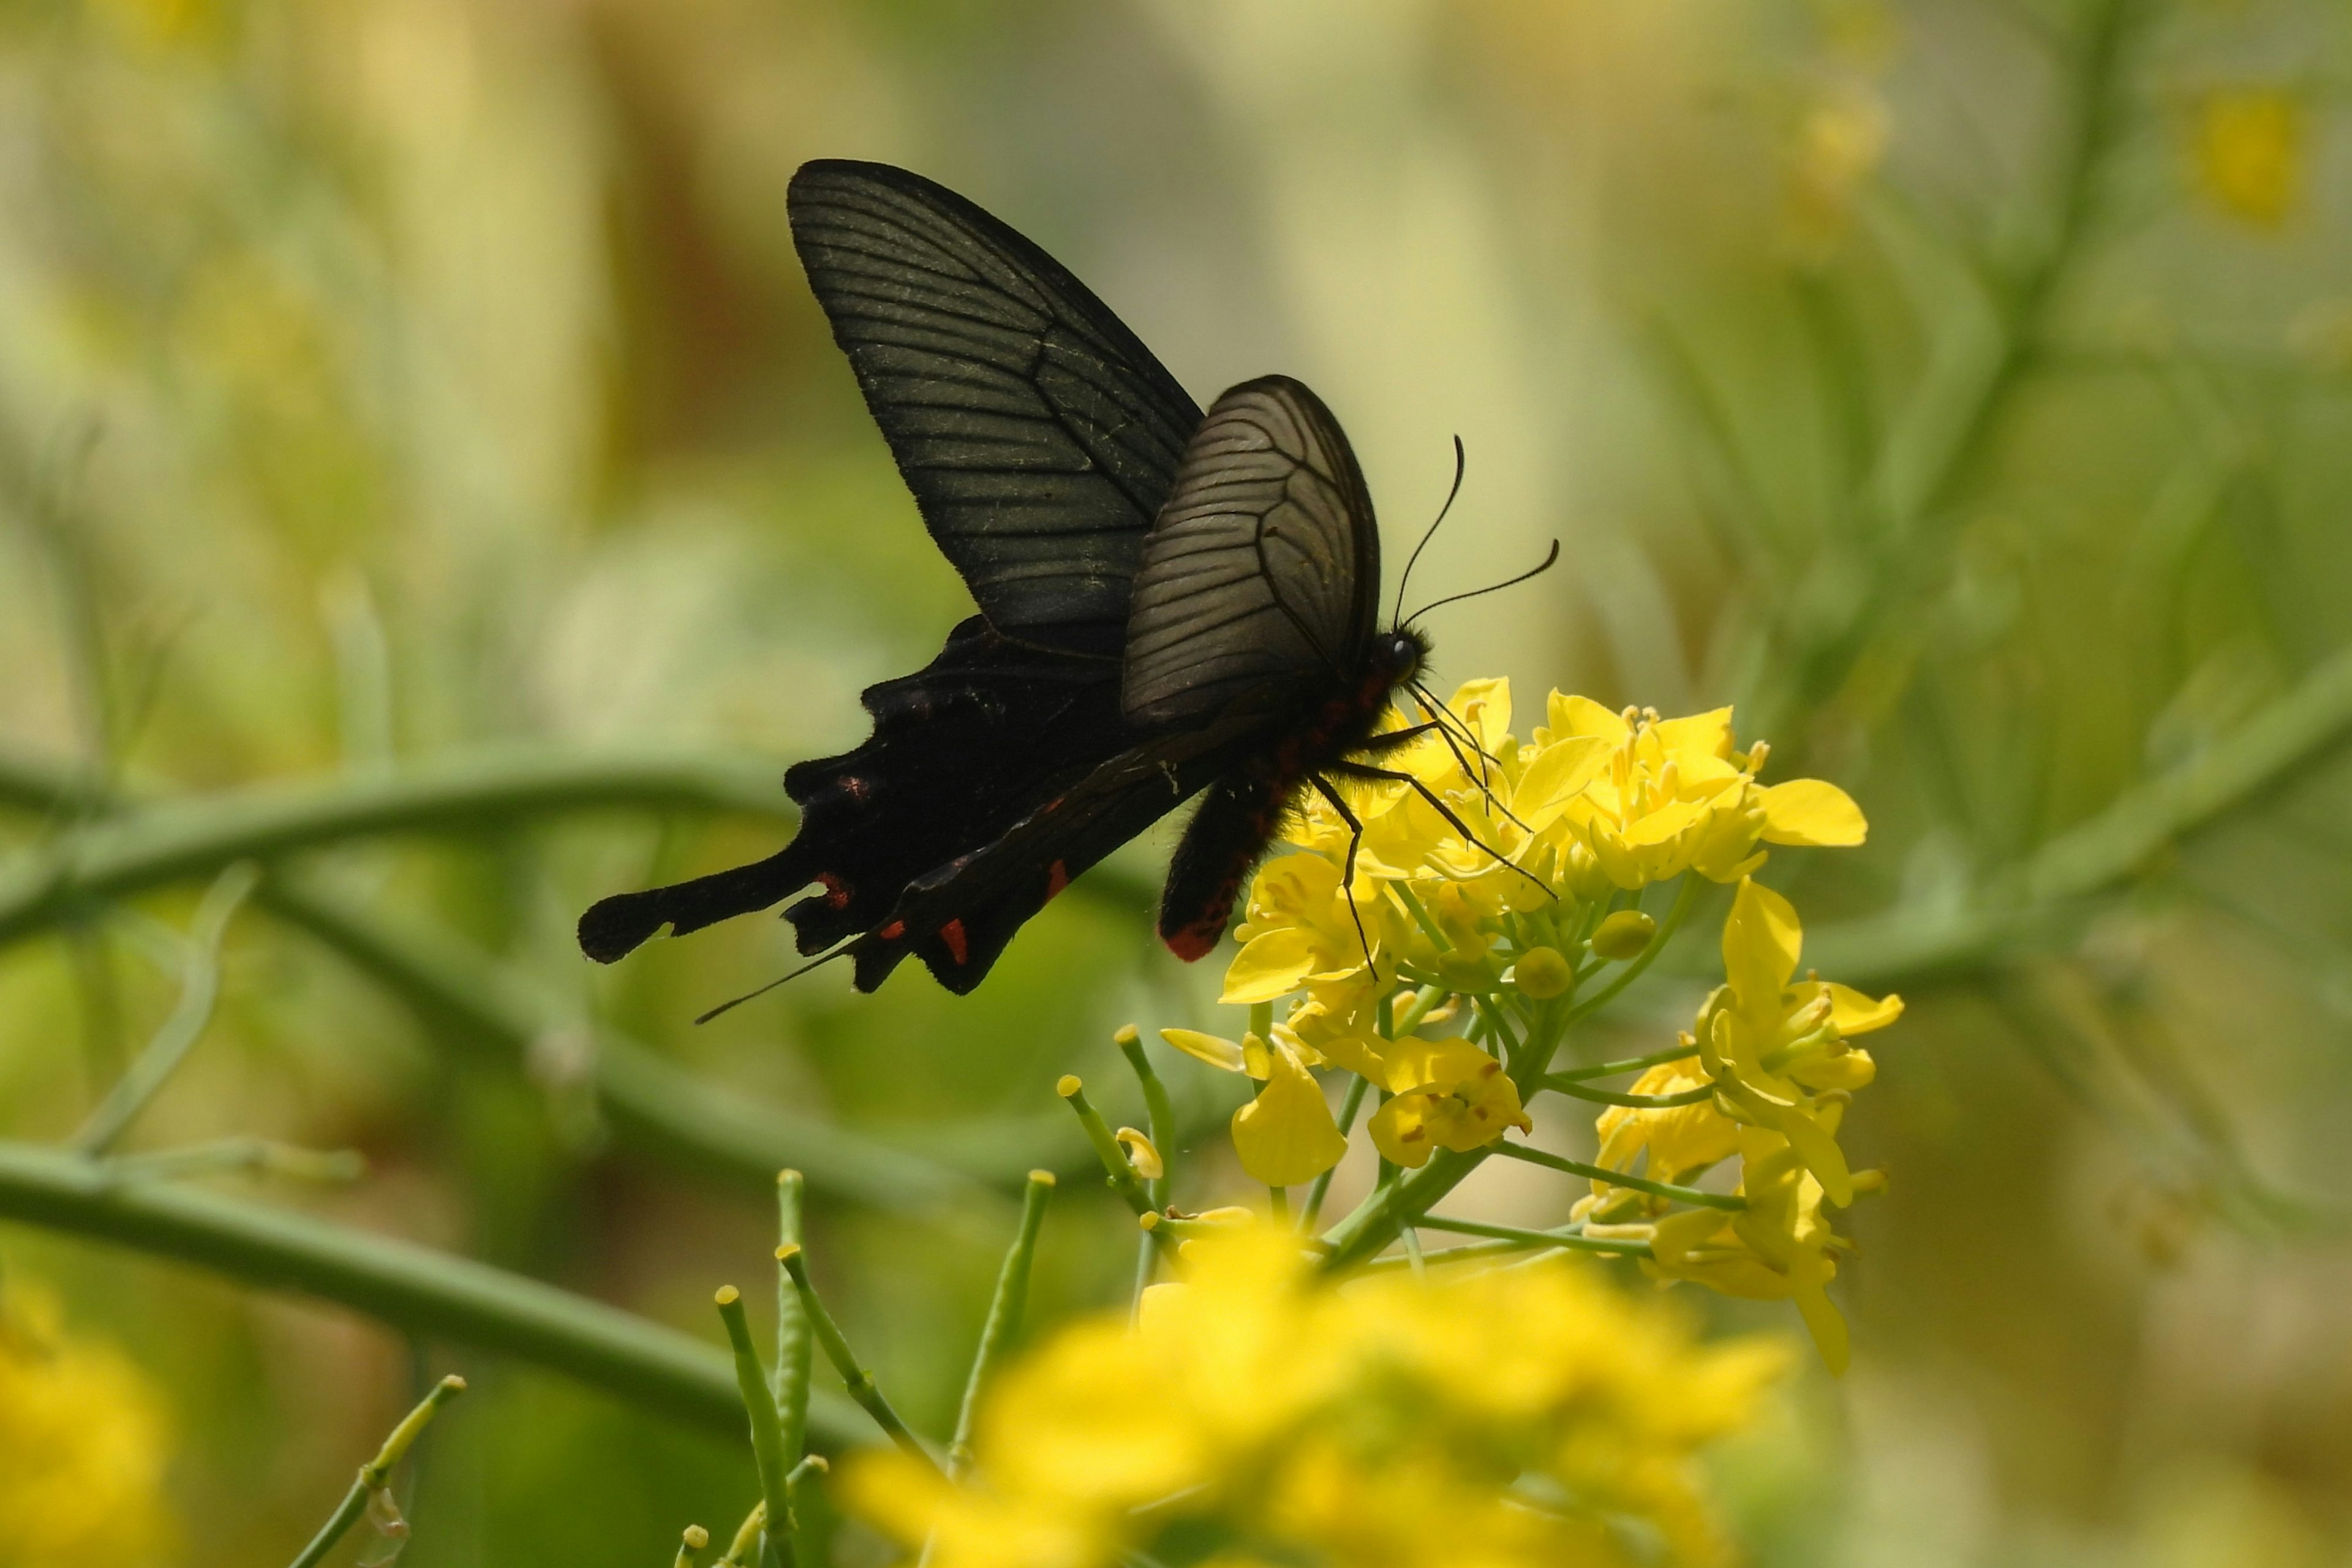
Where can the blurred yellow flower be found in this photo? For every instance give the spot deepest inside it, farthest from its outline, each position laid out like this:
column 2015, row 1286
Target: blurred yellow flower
column 2248, row 148
column 81, row 1447
column 1256, row 1414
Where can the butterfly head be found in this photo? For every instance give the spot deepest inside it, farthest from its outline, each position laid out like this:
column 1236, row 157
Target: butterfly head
column 1397, row 658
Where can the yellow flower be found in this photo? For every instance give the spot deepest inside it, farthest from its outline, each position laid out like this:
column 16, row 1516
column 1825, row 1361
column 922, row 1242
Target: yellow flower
column 1286, row 1135
column 1449, row 1094
column 2249, row 149
column 1675, row 796
column 1777, row 1053
column 1392, row 1422
column 1778, row 1247
column 81, row 1447
column 1681, row 1140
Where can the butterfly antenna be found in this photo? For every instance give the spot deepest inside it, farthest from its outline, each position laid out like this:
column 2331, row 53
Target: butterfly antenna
column 1493, row 588
column 842, row 951
column 1432, row 533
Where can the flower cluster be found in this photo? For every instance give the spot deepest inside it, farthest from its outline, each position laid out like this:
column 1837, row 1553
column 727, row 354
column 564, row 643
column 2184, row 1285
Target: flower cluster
column 81, row 1445
column 1256, row 1414
column 1502, row 890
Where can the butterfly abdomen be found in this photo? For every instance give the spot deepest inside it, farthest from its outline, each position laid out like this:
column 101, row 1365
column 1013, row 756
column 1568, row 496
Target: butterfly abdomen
column 1242, row 814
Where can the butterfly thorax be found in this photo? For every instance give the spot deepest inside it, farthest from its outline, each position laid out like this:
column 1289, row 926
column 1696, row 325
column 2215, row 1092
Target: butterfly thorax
column 1243, row 811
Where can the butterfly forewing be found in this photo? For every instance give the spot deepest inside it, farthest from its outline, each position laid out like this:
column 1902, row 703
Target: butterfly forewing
column 1038, row 435
column 1259, row 579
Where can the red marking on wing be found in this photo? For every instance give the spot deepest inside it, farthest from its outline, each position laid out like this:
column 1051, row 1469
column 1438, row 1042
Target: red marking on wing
column 1057, row 877
column 892, row 931
column 856, row 788
column 837, row 891
column 952, row 934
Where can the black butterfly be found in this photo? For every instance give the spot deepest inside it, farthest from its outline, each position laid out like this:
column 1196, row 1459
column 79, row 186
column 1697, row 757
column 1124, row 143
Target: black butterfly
column 1169, row 603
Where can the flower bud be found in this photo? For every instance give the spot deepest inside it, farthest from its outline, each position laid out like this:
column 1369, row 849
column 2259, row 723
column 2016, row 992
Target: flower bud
column 1624, row 935
column 1582, row 873
column 1543, row 973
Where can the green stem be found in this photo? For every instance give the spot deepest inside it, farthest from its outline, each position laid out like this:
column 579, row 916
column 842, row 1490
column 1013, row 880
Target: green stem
column 767, row 1432
column 259, row 1156
column 1685, row 898
column 1003, row 1321
column 1618, row 1178
column 419, row 1291
column 1673, row 1053
column 377, row 1471
column 1524, row 1238
column 148, row 846
column 199, row 990
column 1117, row 1168
column 1348, row 1106
column 1376, row 1222
column 746, row 1544
column 495, row 1009
column 792, row 1345
column 1160, row 1114
column 1424, row 1004
column 1512, row 1240
column 1585, row 1091
column 860, row 1382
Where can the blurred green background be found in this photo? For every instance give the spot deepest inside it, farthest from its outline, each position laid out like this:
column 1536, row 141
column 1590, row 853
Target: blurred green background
column 425, row 389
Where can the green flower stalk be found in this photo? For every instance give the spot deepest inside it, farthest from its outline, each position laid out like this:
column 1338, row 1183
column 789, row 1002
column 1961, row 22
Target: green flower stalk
column 368, row 1489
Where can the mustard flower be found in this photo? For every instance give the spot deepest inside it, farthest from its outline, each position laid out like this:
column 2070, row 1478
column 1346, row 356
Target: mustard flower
column 1778, row 1247
column 1448, row 1094
column 81, row 1445
column 1494, row 883
column 1777, row 1053
column 2250, row 153
column 1286, row 1135
column 1681, row 1141
column 1255, row 1413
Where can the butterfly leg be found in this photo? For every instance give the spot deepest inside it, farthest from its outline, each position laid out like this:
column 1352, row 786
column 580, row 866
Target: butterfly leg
column 1347, row 876
column 1484, row 777
column 1366, row 770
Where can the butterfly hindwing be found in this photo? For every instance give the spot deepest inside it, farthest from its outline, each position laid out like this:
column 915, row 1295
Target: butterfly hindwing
column 1037, row 432
column 1260, row 578
column 961, row 751
column 958, row 917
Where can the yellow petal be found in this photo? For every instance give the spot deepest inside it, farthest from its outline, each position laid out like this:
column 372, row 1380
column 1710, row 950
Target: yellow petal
column 1666, row 824
column 1272, row 965
column 1828, row 1329
column 1571, row 715
column 1286, row 1135
column 1697, row 741
column 1416, row 1063
column 1812, row 812
column 1209, row 1048
column 1761, row 940
column 1856, row 1013
column 1558, row 775
column 1141, row 1154
column 1399, row 1131
column 1486, row 707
